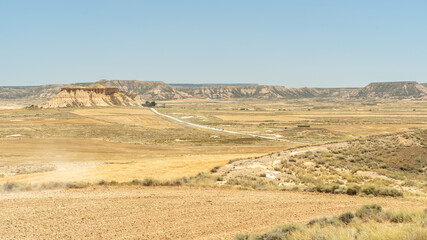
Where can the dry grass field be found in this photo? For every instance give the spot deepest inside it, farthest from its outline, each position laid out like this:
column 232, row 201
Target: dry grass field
column 26, row 160
column 92, row 144
column 136, row 117
column 111, row 144
column 329, row 120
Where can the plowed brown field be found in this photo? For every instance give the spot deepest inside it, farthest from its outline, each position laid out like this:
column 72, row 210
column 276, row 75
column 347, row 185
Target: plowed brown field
column 165, row 212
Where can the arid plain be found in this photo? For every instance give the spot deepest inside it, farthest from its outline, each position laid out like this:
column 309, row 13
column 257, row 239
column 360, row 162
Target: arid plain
column 100, row 145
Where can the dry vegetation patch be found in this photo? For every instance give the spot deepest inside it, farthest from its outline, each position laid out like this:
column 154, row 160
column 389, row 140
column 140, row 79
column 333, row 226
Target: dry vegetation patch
column 386, row 165
column 368, row 222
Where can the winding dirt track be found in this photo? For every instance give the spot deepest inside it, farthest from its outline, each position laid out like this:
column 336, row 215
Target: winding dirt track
column 222, row 130
column 165, row 212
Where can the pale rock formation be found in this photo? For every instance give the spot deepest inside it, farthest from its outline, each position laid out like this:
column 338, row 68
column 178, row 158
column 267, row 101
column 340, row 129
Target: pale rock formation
column 91, row 96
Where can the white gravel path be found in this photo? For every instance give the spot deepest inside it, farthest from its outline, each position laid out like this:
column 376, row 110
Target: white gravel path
column 222, row 130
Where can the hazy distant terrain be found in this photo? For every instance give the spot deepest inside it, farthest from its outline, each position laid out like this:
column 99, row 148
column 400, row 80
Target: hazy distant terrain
column 152, row 90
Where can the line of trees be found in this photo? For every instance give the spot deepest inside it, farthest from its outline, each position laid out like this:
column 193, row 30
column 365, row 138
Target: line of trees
column 150, row 104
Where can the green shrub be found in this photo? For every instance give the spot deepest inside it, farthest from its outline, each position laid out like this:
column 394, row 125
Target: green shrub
column 346, row 217
column 136, row 182
column 77, row 185
column 369, row 190
column 368, row 211
column 390, row 192
column 241, row 237
column 321, row 221
column 102, row 183
column 353, row 190
column 400, row 217
column 381, row 191
column 340, row 190
column 150, row 182
column 215, row 169
column 12, row 186
column 278, row 233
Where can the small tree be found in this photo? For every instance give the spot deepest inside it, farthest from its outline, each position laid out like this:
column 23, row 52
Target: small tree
column 150, row 104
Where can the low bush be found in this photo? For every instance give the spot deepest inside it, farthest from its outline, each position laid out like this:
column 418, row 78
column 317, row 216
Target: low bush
column 77, row 185
column 353, row 189
column 369, row 211
column 215, row 169
column 380, row 191
column 15, row 186
column 320, row 221
column 401, row 217
column 406, row 225
column 346, row 217
column 277, row 233
column 242, row 237
column 150, row 182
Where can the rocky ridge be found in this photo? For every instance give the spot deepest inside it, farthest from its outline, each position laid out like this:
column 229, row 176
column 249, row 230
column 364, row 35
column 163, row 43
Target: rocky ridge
column 156, row 90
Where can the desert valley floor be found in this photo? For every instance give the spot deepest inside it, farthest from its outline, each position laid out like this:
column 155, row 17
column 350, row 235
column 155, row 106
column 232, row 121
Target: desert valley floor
column 73, row 173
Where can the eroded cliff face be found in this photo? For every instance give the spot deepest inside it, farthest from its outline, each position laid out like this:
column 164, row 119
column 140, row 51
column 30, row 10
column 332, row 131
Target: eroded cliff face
column 404, row 89
column 152, row 90
column 91, row 96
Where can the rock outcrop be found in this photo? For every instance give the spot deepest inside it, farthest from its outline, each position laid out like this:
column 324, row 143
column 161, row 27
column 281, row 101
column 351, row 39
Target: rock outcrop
column 404, row 89
column 91, row 96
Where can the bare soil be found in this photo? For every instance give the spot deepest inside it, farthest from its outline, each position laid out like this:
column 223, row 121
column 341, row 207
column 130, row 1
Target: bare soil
column 166, row 212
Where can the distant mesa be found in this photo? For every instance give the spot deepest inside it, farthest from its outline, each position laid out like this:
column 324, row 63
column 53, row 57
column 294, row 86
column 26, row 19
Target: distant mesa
column 130, row 92
column 91, row 96
column 163, row 91
column 403, row 89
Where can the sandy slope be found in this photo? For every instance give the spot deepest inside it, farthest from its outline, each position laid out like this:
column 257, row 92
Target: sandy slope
column 165, row 212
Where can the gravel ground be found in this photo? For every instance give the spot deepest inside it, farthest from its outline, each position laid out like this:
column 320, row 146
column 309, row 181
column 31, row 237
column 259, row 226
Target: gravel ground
column 166, row 212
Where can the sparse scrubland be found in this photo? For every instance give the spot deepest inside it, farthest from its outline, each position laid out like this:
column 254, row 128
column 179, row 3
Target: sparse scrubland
column 128, row 160
column 369, row 222
column 385, row 165
column 199, row 180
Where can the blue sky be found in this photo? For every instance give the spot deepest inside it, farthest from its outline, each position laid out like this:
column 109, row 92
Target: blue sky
column 292, row 43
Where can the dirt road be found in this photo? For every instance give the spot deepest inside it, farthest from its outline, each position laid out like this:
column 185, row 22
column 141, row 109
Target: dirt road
column 222, row 130
column 165, row 212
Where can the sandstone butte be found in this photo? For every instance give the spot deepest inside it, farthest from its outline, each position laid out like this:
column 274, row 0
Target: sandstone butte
column 91, row 96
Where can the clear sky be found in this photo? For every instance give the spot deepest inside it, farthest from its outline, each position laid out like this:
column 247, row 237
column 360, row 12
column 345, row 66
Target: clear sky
column 295, row 43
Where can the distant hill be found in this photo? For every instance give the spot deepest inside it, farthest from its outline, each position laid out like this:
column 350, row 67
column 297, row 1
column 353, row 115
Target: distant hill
column 404, row 89
column 210, row 84
column 163, row 91
column 146, row 89
column 156, row 90
column 256, row 91
column 33, row 92
column 93, row 95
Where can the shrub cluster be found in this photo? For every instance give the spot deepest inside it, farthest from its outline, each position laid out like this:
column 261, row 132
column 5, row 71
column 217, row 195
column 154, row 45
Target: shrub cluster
column 346, row 224
column 356, row 190
column 201, row 179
